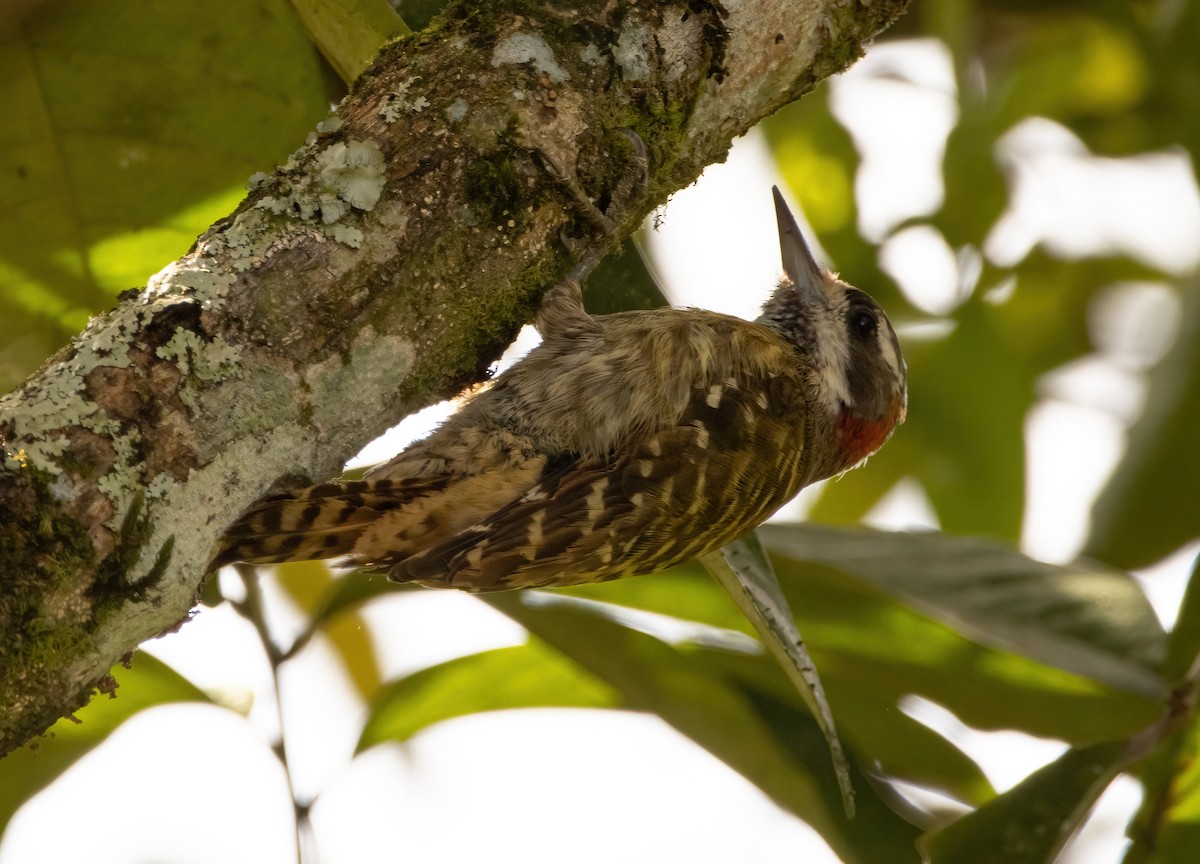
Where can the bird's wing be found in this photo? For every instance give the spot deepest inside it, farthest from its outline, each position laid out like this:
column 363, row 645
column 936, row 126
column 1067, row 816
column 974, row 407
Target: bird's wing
column 728, row 462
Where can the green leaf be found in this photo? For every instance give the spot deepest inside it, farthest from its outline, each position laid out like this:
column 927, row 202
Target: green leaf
column 1085, row 619
column 350, row 32
column 871, row 724
column 970, row 454
column 332, row 604
column 1031, row 822
column 792, row 767
column 1149, row 507
column 353, row 589
column 874, row 649
column 743, row 569
column 312, row 585
column 623, row 282
column 148, row 682
column 532, row 675
column 1183, row 645
column 879, row 652
column 139, row 126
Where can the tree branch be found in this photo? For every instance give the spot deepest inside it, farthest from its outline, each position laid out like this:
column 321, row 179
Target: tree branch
column 382, row 267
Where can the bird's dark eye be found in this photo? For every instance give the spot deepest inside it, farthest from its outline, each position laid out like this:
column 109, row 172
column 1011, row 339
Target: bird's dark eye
column 862, row 324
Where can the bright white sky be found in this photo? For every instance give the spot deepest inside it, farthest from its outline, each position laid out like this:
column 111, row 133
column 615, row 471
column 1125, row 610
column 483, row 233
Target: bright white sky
column 186, row 784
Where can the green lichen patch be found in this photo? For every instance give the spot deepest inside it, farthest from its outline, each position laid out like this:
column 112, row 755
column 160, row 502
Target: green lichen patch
column 341, row 176
column 205, row 359
column 400, row 101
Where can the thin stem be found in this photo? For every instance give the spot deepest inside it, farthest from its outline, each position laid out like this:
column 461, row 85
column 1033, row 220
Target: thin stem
column 252, row 608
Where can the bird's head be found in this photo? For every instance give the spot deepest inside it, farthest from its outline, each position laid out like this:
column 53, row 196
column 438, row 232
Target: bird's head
column 858, row 373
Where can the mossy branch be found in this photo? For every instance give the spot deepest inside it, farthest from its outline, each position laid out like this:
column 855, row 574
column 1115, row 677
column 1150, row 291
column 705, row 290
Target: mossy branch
column 384, row 266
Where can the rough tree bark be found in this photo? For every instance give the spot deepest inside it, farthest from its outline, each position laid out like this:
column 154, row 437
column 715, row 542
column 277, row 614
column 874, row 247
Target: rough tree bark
column 382, row 267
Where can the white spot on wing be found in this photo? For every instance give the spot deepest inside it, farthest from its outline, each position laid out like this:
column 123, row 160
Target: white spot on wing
column 713, row 399
column 536, row 538
column 595, row 500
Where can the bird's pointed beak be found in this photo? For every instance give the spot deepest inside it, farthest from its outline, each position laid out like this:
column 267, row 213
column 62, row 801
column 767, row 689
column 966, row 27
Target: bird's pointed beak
column 798, row 261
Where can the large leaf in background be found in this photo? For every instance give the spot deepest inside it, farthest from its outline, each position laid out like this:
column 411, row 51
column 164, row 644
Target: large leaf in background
column 622, row 282
column 146, row 683
column 1086, row 619
column 873, row 647
column 1032, row 822
column 140, row 123
column 964, row 436
column 350, row 32
column 744, row 570
column 683, row 690
column 1070, row 66
column 1045, row 321
column 1152, row 505
column 310, row 584
column 532, row 675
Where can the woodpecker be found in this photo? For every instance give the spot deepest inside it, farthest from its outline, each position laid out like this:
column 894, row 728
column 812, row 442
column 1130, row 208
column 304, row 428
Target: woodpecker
column 623, row 444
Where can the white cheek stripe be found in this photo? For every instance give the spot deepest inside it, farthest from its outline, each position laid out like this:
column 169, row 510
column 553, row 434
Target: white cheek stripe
column 831, row 353
column 887, row 347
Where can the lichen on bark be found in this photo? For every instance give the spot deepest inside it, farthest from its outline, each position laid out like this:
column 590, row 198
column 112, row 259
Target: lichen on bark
column 384, row 266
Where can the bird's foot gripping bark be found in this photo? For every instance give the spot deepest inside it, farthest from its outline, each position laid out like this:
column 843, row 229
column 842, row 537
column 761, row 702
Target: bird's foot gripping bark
column 562, row 313
column 628, row 189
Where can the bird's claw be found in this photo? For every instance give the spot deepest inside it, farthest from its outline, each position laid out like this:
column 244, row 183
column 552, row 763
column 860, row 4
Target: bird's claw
column 628, row 188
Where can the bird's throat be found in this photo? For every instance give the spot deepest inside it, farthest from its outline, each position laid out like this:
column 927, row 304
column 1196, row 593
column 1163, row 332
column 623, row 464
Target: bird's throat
column 861, row 437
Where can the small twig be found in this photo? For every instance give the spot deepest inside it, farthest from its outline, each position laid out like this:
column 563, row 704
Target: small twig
column 252, row 608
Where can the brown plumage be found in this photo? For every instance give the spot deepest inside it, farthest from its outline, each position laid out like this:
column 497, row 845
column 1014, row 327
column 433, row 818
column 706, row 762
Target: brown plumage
column 623, row 444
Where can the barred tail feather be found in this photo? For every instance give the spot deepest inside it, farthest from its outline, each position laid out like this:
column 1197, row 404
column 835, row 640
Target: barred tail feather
column 324, row 521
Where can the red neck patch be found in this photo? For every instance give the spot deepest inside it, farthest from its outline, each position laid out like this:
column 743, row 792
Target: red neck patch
column 860, row 438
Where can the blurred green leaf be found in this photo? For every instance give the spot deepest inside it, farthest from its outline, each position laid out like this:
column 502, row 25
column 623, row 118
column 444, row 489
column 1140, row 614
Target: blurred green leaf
column 1150, row 508
column 140, row 124
column 1166, row 829
column 532, row 675
column 1068, row 66
column 1031, row 822
column 744, row 570
column 622, row 282
column 312, row 585
column 350, row 32
column 1089, row 620
column 868, row 643
column 964, row 436
column 878, row 633
column 653, row 676
column 1045, row 321
column 148, row 682
column 900, row 746
column 351, row 590
column 1183, row 645
column 418, row 13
